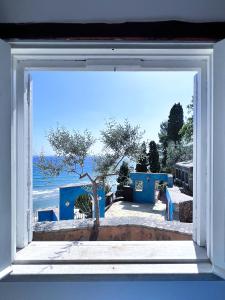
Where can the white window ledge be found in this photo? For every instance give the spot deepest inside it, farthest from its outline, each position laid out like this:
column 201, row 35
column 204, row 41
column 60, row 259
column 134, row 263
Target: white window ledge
column 111, row 252
column 112, row 269
column 112, row 258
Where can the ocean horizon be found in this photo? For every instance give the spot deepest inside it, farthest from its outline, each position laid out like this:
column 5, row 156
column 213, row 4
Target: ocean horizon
column 46, row 189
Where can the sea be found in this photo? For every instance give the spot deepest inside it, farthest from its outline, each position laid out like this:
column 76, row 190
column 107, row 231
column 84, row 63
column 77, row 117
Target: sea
column 46, row 189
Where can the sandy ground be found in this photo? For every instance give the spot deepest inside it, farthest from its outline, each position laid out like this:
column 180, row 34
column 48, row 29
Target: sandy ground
column 129, row 209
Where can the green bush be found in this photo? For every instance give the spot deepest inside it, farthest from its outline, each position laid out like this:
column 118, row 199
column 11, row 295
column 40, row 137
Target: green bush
column 84, row 204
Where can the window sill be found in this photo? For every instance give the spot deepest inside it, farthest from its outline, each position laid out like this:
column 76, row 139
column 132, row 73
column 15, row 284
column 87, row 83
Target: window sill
column 161, row 260
column 112, row 269
column 111, row 252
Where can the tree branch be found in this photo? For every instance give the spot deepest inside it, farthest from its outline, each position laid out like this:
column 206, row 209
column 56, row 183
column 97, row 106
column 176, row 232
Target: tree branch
column 118, row 162
column 87, row 175
column 103, row 176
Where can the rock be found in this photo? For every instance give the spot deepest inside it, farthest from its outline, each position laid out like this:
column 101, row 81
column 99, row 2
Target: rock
column 186, row 211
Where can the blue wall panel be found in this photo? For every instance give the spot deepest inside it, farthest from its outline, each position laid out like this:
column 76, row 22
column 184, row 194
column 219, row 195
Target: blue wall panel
column 47, row 215
column 170, row 206
column 68, row 196
column 147, row 195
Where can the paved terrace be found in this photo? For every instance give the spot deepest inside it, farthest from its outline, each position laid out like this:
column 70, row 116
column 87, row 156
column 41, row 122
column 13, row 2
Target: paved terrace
column 177, row 196
column 155, row 212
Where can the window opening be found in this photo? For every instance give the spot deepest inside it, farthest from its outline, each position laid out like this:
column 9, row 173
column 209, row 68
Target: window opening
column 138, row 186
column 96, row 158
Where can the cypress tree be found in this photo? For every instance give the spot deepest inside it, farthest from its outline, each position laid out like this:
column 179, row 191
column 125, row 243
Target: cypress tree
column 142, row 165
column 153, row 157
column 163, row 140
column 175, row 122
column 124, row 174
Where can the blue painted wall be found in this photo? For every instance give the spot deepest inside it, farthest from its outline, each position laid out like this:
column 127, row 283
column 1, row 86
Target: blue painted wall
column 169, row 180
column 71, row 193
column 147, row 195
column 47, row 215
column 170, row 206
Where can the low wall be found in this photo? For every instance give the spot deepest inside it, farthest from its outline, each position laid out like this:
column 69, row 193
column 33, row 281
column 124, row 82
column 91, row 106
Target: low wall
column 179, row 205
column 112, row 230
column 47, row 215
column 69, row 194
column 147, row 193
column 170, row 206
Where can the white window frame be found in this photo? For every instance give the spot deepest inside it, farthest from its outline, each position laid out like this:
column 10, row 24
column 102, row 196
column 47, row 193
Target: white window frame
column 111, row 56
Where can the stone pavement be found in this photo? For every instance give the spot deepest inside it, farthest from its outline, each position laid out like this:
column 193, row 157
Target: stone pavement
column 129, row 209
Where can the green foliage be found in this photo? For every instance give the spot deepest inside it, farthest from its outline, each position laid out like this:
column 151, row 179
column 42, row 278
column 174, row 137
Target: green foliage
column 105, row 163
column 176, row 153
column 84, row 204
column 124, row 174
column 142, row 165
column 176, row 137
column 49, row 167
column 107, row 188
column 163, row 135
column 153, row 157
column 162, row 186
column 163, row 140
column 186, row 131
column 120, row 141
column 72, row 148
column 175, row 123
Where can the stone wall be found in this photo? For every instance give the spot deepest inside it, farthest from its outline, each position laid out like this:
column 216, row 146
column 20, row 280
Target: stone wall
column 181, row 204
column 123, row 231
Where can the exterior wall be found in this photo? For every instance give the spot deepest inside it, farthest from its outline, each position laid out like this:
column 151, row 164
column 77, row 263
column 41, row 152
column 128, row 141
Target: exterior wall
column 170, row 206
column 70, row 194
column 170, row 180
column 184, row 176
column 147, row 195
column 174, row 198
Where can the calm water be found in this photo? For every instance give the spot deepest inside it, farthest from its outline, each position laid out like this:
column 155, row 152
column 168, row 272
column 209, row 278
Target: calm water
column 46, row 190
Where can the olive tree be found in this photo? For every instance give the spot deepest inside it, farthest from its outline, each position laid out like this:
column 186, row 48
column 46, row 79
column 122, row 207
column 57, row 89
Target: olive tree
column 120, row 141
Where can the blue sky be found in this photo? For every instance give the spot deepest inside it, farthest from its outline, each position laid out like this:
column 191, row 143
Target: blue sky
column 85, row 100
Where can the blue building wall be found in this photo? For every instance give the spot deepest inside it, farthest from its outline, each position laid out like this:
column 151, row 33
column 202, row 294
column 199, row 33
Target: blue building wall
column 170, row 206
column 47, row 215
column 71, row 193
column 147, row 194
column 169, row 180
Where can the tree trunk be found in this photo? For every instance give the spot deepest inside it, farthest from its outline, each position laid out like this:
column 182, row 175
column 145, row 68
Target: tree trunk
column 95, row 195
column 94, row 235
